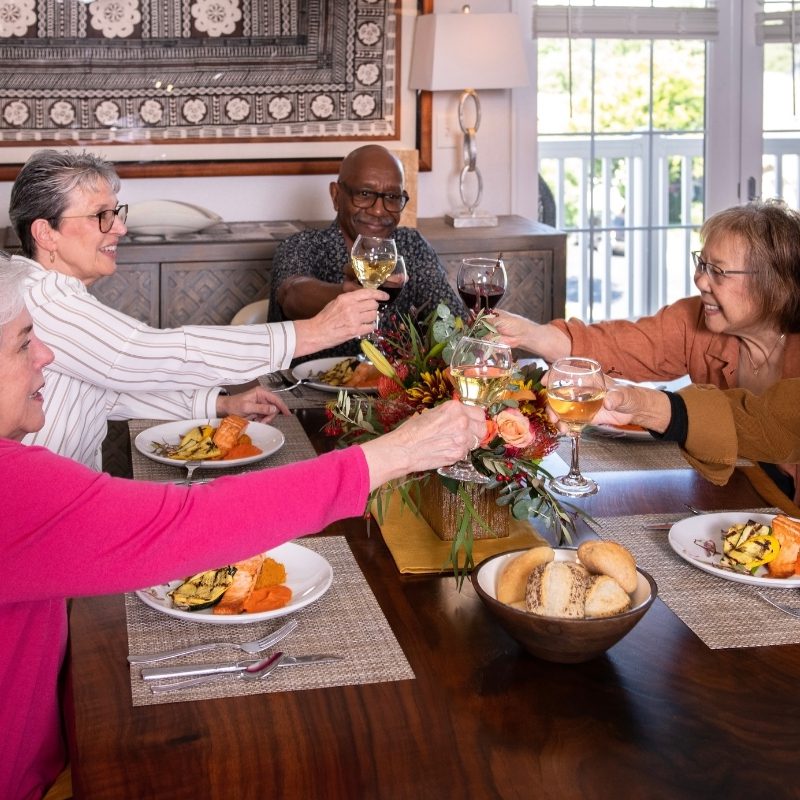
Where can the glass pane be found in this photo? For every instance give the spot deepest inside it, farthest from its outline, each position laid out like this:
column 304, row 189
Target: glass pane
column 679, row 85
column 622, row 85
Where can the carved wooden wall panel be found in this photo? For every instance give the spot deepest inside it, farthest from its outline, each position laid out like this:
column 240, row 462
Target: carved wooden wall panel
column 208, row 293
column 133, row 289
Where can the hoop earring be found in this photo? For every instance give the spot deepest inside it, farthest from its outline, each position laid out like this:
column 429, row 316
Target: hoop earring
column 52, row 256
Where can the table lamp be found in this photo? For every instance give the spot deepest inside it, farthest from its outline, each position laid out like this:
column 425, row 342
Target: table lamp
column 466, row 52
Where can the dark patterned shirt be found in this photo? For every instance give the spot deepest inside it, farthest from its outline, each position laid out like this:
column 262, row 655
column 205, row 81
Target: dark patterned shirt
column 323, row 254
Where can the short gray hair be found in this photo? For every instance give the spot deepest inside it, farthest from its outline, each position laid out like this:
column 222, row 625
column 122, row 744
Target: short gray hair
column 13, row 273
column 44, row 184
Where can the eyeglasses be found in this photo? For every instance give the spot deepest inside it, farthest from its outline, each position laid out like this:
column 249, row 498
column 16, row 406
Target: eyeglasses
column 104, row 218
column 366, row 198
column 712, row 270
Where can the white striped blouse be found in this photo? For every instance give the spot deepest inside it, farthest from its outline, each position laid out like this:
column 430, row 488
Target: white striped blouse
column 110, row 366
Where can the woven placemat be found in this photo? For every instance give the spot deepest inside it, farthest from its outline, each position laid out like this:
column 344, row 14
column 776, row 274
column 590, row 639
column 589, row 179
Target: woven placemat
column 722, row 613
column 346, row 621
column 297, row 447
column 607, row 454
column 301, row 396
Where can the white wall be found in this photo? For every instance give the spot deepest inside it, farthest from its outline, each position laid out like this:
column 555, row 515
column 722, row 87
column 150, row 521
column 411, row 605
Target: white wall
column 506, row 155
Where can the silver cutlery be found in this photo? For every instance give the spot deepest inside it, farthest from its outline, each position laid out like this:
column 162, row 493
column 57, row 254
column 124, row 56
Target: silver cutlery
column 291, row 386
column 792, row 611
column 247, row 670
column 256, row 671
column 228, row 667
column 658, row 526
column 249, row 647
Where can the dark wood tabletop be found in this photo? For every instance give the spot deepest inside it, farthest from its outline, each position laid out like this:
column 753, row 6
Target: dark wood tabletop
column 660, row 715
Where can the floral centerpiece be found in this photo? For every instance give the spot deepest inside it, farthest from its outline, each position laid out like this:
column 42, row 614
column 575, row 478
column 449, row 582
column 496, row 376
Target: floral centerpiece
column 414, row 365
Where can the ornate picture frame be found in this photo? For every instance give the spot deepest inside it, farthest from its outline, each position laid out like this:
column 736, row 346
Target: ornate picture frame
column 176, row 89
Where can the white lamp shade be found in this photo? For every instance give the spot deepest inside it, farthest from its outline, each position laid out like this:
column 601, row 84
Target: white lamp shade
column 453, row 52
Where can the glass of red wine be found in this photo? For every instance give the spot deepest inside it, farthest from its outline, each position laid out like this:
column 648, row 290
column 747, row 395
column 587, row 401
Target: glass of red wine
column 482, row 283
column 393, row 285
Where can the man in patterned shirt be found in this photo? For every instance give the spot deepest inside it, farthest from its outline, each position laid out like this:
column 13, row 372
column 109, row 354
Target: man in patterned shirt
column 312, row 267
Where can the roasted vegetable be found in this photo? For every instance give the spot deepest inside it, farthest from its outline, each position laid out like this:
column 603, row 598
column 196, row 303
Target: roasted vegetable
column 748, row 546
column 203, row 590
column 339, row 373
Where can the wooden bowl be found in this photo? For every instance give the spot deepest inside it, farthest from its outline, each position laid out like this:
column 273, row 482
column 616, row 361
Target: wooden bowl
column 567, row 641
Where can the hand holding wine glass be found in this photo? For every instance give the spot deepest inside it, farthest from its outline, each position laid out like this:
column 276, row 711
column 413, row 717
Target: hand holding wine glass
column 482, row 283
column 575, row 391
column 481, row 370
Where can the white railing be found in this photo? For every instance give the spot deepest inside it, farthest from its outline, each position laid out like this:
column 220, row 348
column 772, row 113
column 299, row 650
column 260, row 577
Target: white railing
column 630, row 212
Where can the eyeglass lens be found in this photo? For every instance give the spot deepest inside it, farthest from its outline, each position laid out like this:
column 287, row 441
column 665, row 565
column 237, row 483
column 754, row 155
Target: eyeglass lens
column 364, row 198
column 106, row 218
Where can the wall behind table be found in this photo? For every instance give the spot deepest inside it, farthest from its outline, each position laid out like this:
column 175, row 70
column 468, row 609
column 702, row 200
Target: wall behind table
column 306, row 196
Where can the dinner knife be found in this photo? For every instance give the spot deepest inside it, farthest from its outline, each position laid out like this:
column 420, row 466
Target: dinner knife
column 187, row 670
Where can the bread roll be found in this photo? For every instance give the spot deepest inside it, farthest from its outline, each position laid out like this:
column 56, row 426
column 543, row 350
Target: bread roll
column 610, row 558
column 557, row 589
column 605, row 597
column 513, row 579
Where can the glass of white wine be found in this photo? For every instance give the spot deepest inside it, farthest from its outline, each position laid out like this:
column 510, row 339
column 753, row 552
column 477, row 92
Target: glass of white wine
column 575, row 391
column 373, row 260
column 480, row 370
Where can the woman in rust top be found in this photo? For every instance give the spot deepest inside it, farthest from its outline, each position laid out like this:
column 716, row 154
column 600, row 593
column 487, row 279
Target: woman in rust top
column 741, row 331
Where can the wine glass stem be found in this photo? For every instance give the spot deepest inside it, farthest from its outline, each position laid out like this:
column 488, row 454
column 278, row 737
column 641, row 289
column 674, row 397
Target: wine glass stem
column 574, row 469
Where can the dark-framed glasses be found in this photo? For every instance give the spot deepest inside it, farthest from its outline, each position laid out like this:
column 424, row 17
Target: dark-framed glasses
column 366, row 198
column 105, row 218
column 712, row 270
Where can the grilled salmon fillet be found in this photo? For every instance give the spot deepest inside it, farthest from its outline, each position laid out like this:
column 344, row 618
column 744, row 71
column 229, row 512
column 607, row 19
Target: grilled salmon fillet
column 243, row 581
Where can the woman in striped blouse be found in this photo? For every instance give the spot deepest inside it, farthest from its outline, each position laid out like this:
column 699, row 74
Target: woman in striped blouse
column 110, row 366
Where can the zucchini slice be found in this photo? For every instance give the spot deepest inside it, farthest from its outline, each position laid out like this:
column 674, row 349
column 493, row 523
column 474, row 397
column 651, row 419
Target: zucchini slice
column 203, row 590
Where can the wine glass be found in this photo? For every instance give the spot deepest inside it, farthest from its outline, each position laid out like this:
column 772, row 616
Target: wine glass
column 480, row 369
column 394, row 284
column 575, row 391
column 373, row 260
column 481, row 283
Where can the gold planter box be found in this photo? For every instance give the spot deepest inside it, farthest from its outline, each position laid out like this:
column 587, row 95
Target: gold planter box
column 442, row 510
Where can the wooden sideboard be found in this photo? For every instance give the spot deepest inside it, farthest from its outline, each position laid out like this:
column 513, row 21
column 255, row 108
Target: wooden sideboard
column 205, row 278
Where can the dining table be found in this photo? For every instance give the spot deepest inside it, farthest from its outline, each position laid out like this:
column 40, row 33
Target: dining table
column 458, row 708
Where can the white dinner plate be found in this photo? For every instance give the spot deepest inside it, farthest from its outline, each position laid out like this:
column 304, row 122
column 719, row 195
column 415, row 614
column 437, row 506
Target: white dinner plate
column 613, row 432
column 268, row 439
column 685, row 535
column 308, row 575
column 311, row 369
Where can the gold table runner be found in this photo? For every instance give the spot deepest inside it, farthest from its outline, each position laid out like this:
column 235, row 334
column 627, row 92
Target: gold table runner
column 297, row 447
column 722, row 613
column 346, row 621
column 416, row 549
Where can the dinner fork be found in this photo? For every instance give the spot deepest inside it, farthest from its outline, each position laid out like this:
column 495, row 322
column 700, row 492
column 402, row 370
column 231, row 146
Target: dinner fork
column 792, row 611
column 249, row 647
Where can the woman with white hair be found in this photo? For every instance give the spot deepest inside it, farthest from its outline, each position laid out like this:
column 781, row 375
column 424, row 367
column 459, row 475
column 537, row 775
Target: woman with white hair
column 63, row 535
column 108, row 365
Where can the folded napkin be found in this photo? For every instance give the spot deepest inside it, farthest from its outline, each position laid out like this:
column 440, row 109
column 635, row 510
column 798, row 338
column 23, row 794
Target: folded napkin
column 416, row 549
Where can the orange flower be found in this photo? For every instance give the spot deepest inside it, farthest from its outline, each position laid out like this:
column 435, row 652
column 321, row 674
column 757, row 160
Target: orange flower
column 491, row 432
column 514, row 427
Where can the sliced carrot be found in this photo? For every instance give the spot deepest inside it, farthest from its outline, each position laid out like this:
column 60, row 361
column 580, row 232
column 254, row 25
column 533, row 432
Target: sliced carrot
column 267, row 599
column 241, row 451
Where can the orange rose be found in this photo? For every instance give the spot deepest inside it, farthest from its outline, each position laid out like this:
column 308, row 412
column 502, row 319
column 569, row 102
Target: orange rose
column 514, row 427
column 491, row 432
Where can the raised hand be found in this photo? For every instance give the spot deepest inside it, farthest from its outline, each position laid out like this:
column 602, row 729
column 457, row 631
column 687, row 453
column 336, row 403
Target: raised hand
column 348, row 316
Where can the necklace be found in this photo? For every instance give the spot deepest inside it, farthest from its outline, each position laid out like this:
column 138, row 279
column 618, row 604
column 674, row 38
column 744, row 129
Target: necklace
column 756, row 369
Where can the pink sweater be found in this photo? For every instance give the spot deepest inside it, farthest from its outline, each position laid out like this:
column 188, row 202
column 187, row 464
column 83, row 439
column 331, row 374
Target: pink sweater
column 69, row 531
